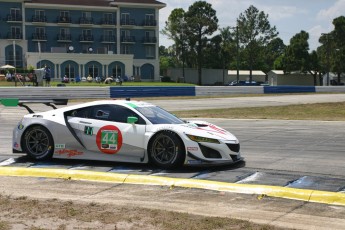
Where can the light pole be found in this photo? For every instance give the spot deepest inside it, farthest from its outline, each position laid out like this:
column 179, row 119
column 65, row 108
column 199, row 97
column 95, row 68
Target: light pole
column 237, row 54
column 328, row 55
column 182, row 22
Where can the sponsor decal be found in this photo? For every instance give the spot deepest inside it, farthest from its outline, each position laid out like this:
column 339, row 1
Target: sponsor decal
column 60, row 146
column 192, row 148
column 15, row 145
column 69, row 152
column 109, row 139
column 88, row 130
column 20, row 126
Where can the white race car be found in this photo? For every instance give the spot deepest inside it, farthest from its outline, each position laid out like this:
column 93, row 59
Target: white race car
column 123, row 131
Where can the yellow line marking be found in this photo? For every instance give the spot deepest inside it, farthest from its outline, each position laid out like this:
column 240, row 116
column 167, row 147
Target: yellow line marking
column 325, row 197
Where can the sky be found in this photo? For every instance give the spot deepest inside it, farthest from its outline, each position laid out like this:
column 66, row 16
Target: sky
column 289, row 16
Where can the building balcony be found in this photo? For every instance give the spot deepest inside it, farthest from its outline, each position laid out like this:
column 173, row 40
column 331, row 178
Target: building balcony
column 85, row 21
column 39, row 37
column 108, row 39
column 86, row 38
column 149, row 23
column 39, row 19
column 64, row 20
column 14, row 18
column 128, row 22
column 108, row 22
column 64, row 38
column 14, row 36
column 128, row 39
column 149, row 40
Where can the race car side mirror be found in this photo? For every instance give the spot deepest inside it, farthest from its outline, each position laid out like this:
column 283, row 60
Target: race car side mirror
column 132, row 120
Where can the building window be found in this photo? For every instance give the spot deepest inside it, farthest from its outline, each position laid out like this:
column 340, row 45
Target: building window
column 64, row 17
column 69, row 71
column 93, row 71
column 64, row 34
column 86, row 35
column 150, row 36
column 117, row 71
column 125, row 18
column 108, row 19
column 40, row 33
column 150, row 51
column 126, row 49
column 40, row 13
column 108, row 36
column 86, row 18
column 16, row 32
column 15, row 14
column 149, row 20
column 39, row 16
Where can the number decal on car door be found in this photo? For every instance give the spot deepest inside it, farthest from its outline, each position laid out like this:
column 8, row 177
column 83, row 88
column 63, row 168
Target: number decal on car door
column 109, row 139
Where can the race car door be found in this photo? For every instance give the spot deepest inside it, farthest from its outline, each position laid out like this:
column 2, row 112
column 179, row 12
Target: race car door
column 107, row 134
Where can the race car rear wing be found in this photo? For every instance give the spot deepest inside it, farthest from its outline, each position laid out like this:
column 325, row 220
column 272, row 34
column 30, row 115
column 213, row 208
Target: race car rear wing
column 13, row 102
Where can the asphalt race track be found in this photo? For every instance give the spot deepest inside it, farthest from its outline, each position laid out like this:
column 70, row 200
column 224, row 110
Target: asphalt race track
column 289, row 154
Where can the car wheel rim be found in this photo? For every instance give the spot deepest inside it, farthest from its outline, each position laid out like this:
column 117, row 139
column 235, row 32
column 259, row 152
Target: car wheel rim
column 164, row 150
column 37, row 142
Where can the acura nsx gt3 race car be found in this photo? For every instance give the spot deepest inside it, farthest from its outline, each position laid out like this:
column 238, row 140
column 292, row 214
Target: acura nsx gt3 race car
column 123, row 131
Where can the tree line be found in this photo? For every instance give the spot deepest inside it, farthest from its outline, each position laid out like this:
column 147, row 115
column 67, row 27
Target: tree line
column 252, row 44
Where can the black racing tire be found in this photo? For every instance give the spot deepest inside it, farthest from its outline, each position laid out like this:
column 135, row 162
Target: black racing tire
column 38, row 143
column 166, row 150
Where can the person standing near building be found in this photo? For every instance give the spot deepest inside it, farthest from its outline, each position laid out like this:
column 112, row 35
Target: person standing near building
column 47, row 76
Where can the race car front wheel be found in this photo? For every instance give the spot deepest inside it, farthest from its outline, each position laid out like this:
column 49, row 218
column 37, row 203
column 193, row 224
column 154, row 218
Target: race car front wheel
column 38, row 143
column 166, row 150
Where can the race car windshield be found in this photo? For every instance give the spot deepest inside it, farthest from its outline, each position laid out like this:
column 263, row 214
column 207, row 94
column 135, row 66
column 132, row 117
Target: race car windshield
column 157, row 115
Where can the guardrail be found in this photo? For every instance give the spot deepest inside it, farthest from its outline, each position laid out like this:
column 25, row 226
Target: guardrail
column 54, row 92
column 151, row 91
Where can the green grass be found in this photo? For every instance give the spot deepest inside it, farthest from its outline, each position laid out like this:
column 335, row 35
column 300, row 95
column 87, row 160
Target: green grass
column 320, row 111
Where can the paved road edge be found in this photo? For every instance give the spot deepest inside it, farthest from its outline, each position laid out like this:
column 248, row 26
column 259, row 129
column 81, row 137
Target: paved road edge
column 316, row 196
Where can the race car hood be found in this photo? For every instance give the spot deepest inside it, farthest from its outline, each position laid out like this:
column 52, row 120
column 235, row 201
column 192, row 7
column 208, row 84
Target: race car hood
column 199, row 128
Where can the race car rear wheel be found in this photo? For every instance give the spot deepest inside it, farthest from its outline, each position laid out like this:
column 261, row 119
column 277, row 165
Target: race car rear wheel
column 38, row 143
column 167, row 150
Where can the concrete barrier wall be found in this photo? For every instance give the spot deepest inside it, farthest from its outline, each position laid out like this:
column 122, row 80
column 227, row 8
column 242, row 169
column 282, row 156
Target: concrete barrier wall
column 123, row 92
column 227, row 90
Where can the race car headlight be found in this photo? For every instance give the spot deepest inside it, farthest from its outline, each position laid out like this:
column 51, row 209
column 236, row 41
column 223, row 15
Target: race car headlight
column 202, row 139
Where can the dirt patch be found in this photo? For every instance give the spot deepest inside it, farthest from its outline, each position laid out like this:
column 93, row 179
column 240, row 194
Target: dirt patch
column 25, row 213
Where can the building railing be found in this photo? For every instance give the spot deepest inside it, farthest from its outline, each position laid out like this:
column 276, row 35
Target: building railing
column 64, row 37
column 128, row 39
column 109, row 22
column 149, row 40
column 14, row 18
column 127, row 22
column 14, row 36
column 86, row 21
column 64, row 19
column 39, row 36
column 149, row 23
column 86, row 38
column 37, row 18
column 108, row 39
